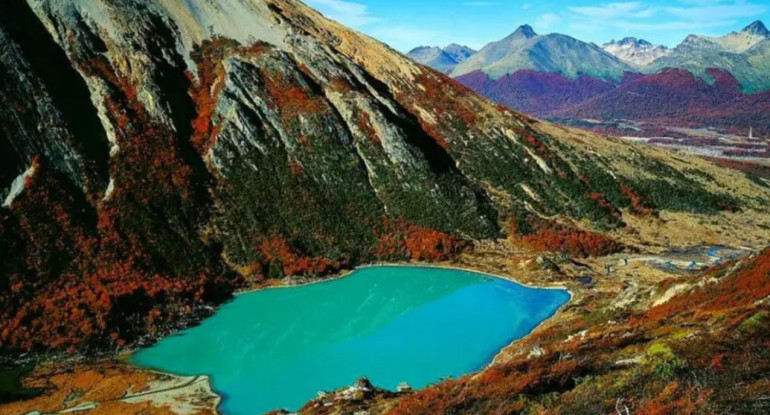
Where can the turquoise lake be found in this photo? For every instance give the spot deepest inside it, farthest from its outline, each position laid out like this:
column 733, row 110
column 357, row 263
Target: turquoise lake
column 277, row 348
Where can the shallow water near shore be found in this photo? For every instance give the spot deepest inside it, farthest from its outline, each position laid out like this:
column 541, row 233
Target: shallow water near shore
column 277, row 348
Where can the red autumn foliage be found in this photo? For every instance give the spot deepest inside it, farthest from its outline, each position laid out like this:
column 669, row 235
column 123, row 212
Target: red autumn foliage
column 552, row 237
column 297, row 169
column 600, row 200
column 364, row 123
column 538, row 145
column 495, row 385
column 674, row 399
column 87, row 277
column 637, row 202
column 205, row 91
column 435, row 133
column 446, row 94
column 147, row 149
column 665, row 99
column 290, row 98
column 401, row 239
column 447, row 102
column 276, row 249
column 79, row 280
column 339, row 84
column 754, row 169
column 749, row 284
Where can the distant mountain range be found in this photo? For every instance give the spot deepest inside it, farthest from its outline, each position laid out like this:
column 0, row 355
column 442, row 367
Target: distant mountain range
column 526, row 50
column 636, row 52
column 745, row 54
column 714, row 81
column 442, row 59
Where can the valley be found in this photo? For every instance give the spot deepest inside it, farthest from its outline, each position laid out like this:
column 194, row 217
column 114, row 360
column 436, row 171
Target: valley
column 703, row 142
column 581, row 327
column 162, row 158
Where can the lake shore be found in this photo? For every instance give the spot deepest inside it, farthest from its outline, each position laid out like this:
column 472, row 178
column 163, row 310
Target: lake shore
column 495, row 259
column 458, row 304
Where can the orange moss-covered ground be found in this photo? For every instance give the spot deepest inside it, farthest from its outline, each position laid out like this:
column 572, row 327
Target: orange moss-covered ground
column 548, row 236
column 104, row 384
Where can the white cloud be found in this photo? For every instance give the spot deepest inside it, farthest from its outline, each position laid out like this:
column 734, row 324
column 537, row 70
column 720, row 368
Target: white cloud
column 345, row 12
column 405, row 38
column 546, row 21
column 672, row 25
column 714, row 12
column 614, row 10
column 703, row 2
column 641, row 16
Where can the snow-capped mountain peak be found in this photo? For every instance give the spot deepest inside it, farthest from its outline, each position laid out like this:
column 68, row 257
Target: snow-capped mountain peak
column 635, row 51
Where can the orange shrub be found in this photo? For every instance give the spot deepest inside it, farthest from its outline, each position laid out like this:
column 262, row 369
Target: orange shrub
column 401, row 239
column 276, row 250
column 552, row 237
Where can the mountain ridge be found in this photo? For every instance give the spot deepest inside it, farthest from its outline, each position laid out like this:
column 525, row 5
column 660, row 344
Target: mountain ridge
column 442, row 59
column 525, row 49
column 674, row 97
column 637, row 52
column 744, row 53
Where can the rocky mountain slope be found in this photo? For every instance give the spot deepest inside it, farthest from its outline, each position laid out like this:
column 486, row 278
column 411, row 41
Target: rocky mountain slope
column 737, row 42
column 460, row 53
column 553, row 53
column 636, row 52
column 161, row 155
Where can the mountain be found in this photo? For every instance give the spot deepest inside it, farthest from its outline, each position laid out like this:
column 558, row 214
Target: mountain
column 443, row 60
column 158, row 156
column 542, row 76
column 674, row 94
column 554, row 53
column 674, row 97
column 739, row 42
column 459, row 53
column 537, row 93
column 745, row 54
column 636, row 52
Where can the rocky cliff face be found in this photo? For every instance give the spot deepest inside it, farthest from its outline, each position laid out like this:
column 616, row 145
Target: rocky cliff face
column 158, row 154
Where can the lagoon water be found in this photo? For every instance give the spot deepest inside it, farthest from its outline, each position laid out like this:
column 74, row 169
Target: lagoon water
column 277, row 348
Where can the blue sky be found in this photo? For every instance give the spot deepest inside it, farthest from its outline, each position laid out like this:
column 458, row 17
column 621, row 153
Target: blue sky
column 408, row 23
